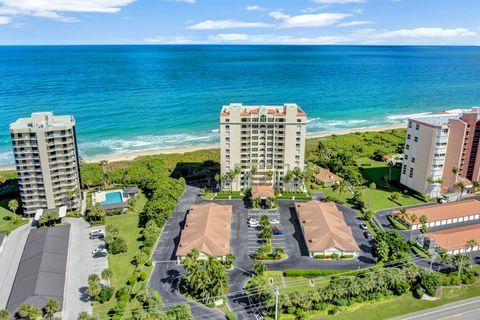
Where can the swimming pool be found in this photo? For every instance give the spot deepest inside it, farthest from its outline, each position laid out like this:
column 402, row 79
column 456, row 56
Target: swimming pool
column 113, row 197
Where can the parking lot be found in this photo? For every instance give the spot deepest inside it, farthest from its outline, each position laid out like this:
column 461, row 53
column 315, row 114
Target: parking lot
column 80, row 265
column 254, row 234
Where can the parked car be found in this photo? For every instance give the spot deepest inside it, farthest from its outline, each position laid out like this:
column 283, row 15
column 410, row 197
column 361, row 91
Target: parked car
column 253, row 224
column 274, row 221
column 449, row 197
column 99, row 252
column 277, row 231
column 97, row 234
column 367, row 235
column 363, row 226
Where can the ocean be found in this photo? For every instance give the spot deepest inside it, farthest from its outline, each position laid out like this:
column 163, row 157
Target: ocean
column 142, row 97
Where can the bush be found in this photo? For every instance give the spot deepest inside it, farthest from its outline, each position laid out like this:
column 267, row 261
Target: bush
column 140, row 259
column 402, row 288
column 417, row 292
column 149, row 241
column 148, row 263
column 105, row 294
column 146, row 250
column 123, row 291
column 119, row 307
column 143, row 276
column 340, row 302
column 118, row 245
column 230, row 316
column 453, row 280
column 132, row 280
column 468, row 278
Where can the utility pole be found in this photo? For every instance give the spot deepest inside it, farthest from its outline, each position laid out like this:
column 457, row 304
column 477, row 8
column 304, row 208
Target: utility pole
column 276, row 303
column 461, row 263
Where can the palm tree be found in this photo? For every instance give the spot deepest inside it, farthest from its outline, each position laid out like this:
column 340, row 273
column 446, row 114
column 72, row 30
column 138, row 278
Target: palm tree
column 402, row 214
column 267, row 234
column 237, row 172
column 455, row 171
column 278, row 252
column 106, row 275
column 390, row 164
column 476, row 185
column 423, row 220
column 270, row 175
column 342, row 187
column 470, row 245
column 28, row 311
column 229, row 260
column 70, row 195
column 217, row 178
column 444, row 257
column 253, row 172
column 4, row 315
column 287, row 179
column 259, row 268
column 413, row 219
column 460, row 186
column 372, row 186
column 13, row 205
column 52, row 307
column 369, row 215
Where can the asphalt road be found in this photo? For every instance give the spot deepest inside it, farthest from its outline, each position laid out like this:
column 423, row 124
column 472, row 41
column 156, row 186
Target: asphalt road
column 9, row 260
column 468, row 309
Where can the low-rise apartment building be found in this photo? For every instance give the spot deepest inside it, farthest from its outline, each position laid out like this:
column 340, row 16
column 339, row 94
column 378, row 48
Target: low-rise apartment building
column 262, row 143
column 441, row 151
column 46, row 159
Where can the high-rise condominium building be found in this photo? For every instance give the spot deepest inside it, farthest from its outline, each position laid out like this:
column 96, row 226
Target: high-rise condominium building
column 442, row 152
column 262, row 143
column 46, row 159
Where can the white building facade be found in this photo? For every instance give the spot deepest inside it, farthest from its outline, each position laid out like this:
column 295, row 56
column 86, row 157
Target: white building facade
column 262, row 143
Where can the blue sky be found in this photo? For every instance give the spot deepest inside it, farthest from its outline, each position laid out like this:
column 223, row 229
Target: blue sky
column 426, row 22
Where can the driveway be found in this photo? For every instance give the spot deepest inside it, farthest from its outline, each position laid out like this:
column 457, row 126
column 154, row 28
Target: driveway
column 9, row 260
column 80, row 265
column 166, row 273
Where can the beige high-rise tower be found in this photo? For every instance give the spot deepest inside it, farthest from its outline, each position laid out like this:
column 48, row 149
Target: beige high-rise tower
column 262, row 143
column 46, row 159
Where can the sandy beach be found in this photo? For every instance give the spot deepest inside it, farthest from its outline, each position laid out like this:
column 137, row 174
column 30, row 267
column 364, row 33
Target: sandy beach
column 132, row 155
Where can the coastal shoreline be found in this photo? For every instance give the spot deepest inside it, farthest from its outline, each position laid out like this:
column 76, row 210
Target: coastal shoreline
column 129, row 156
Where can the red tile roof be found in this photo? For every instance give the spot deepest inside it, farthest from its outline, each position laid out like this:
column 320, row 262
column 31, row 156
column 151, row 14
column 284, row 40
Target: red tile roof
column 444, row 211
column 456, row 238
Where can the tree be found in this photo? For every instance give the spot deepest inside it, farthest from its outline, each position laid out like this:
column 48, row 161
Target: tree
column 390, row 164
column 476, row 185
column 229, row 260
column 413, row 219
column 472, row 243
column 13, row 205
column 106, row 275
column 93, row 278
column 394, row 197
column 369, row 214
column 278, row 252
column 28, row 311
column 357, row 200
column 287, row 179
column 342, row 187
column 4, row 314
column 84, row 316
column 51, row 307
column 140, row 259
column 2, row 179
column 259, row 268
column 97, row 213
column 455, row 171
column 460, row 186
column 267, row 234
column 423, row 220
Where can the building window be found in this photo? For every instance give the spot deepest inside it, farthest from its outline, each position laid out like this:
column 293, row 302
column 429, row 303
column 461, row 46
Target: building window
column 415, row 139
column 417, row 126
column 227, row 120
column 408, row 136
column 407, row 147
column 413, row 159
column 406, row 157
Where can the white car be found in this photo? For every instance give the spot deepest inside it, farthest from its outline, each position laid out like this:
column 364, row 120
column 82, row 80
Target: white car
column 274, row 221
column 97, row 234
column 253, row 223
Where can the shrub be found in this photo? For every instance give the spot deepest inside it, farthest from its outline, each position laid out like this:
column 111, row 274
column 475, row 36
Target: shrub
column 119, row 307
column 105, row 294
column 291, row 310
column 149, row 241
column 333, row 311
column 123, row 291
column 118, row 245
column 300, row 314
column 148, row 263
column 312, row 273
column 143, row 276
column 340, row 302
column 146, row 250
column 468, row 278
column 417, row 292
column 402, row 288
column 453, row 279
column 230, row 316
column 140, row 259
column 132, row 280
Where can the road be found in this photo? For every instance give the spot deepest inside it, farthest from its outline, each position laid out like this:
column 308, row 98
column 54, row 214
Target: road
column 9, row 260
column 468, row 309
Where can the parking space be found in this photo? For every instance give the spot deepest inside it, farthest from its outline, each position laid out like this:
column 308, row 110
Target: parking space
column 99, row 261
column 254, row 233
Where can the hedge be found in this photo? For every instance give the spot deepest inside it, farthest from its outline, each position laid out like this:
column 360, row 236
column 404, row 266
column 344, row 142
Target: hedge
column 313, row 273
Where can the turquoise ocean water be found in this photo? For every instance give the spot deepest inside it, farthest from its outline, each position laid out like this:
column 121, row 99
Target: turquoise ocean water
column 132, row 98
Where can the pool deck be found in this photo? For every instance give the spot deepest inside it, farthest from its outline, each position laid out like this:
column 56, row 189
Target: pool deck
column 101, row 196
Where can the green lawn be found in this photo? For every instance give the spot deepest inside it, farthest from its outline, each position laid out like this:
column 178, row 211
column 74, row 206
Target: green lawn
column 397, row 305
column 295, row 283
column 121, row 264
column 6, row 225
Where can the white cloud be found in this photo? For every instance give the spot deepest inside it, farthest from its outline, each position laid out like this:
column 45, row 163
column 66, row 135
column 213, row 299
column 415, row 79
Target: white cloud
column 5, row 20
column 339, row 1
column 228, row 24
column 308, row 20
column 253, row 8
column 171, row 40
column 358, row 11
column 428, row 33
column 243, row 38
column 354, row 23
column 54, row 9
